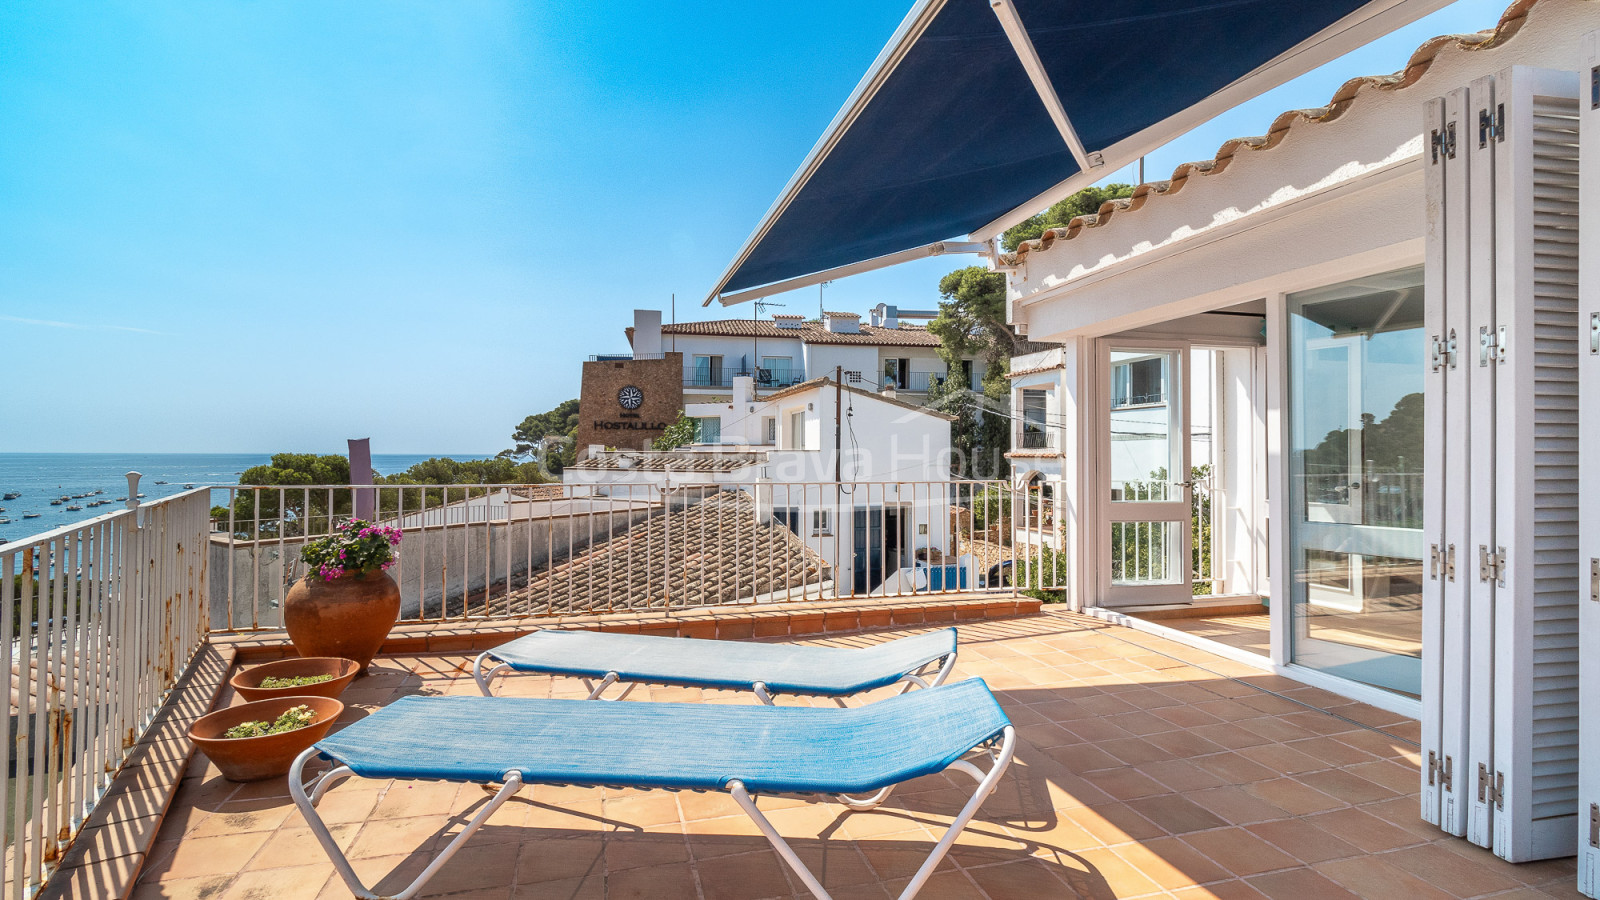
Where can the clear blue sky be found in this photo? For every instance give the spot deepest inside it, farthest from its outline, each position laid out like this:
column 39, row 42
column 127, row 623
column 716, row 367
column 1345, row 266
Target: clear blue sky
column 259, row 227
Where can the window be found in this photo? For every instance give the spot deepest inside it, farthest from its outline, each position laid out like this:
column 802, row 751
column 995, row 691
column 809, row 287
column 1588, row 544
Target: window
column 897, row 372
column 707, row 372
column 821, row 523
column 967, row 375
column 797, row 430
column 777, row 371
column 1137, row 382
column 769, row 430
column 1034, row 433
column 708, row 430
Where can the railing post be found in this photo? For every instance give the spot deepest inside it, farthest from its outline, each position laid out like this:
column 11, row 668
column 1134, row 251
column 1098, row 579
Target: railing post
column 133, row 499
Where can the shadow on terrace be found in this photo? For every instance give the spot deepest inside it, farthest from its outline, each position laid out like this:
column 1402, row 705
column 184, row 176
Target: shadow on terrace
column 1144, row 769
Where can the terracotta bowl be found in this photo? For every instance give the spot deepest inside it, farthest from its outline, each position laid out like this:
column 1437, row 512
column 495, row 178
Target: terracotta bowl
column 268, row 756
column 343, row 670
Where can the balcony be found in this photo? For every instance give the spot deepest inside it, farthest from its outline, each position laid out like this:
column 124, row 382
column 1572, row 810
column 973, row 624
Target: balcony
column 717, row 378
column 1037, row 439
column 1145, row 768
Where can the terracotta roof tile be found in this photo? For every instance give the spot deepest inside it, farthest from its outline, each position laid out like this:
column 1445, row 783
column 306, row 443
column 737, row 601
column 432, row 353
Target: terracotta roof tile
column 668, row 461
column 1419, row 63
column 810, row 332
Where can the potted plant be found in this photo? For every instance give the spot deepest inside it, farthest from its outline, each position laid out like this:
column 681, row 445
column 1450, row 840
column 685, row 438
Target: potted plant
column 306, row 676
column 346, row 603
column 255, row 741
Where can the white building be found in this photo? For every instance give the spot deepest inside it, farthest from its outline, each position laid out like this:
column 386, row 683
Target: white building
column 1367, row 321
column 1380, row 322
column 862, row 477
column 788, row 349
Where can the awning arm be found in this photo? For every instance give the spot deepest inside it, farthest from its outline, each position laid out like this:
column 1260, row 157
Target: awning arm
column 938, row 248
column 1011, row 23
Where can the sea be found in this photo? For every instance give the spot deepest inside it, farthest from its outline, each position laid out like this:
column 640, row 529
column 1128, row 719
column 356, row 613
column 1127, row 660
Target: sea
column 42, row 477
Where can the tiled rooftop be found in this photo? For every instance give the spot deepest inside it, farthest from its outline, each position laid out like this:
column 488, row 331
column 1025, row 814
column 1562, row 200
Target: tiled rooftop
column 1145, row 769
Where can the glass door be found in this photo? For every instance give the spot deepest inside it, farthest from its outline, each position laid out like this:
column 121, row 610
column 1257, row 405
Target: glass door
column 1147, row 463
column 1355, row 468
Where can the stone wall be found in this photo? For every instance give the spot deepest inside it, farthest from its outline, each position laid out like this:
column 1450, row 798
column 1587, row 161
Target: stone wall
column 603, row 418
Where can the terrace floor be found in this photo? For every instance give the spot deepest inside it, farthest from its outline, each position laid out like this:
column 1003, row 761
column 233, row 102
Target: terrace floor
column 1145, row 769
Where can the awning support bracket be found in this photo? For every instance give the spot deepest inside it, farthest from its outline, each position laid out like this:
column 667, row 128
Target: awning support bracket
column 1011, row 23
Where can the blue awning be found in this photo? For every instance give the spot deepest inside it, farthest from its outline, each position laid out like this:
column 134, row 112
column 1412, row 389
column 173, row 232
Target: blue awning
column 980, row 113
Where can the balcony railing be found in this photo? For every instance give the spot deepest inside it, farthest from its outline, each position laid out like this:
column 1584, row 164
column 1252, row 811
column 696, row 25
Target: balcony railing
column 97, row 622
column 1036, row 440
column 701, row 377
column 100, row 619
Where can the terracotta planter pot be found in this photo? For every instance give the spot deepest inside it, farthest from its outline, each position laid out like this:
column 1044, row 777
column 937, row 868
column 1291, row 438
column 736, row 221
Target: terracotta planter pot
column 268, row 756
column 347, row 617
column 247, row 683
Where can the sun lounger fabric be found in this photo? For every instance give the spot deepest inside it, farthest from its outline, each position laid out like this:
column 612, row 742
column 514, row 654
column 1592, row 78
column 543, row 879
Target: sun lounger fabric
column 783, row 668
column 672, row 745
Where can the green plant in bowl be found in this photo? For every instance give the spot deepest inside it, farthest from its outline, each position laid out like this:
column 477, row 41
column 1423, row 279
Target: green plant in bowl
column 275, row 682
column 292, row 719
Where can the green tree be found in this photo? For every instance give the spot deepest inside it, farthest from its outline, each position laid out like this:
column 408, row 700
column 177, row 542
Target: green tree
column 678, row 434
column 972, row 322
column 1083, row 203
column 548, row 437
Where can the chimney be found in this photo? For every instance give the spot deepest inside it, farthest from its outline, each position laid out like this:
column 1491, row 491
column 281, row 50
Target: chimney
column 744, row 390
column 788, row 321
column 841, row 323
column 886, row 316
column 647, row 334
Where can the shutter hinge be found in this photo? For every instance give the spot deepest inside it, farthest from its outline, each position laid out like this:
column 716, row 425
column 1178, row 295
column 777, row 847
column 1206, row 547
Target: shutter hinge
column 1437, row 355
column 1492, row 566
column 1594, row 578
column 1491, row 125
column 1488, row 345
column 1450, row 563
column 1433, row 565
column 1594, row 88
column 1594, row 333
column 1444, row 351
column 1444, row 769
column 1443, row 141
column 1594, row 824
column 1491, row 791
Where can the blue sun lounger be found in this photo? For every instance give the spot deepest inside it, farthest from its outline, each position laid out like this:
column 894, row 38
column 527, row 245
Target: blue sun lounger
column 856, row 755
column 602, row 659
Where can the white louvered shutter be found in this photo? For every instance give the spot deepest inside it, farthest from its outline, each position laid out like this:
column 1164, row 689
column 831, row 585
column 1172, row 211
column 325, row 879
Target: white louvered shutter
column 1480, row 145
column 1446, row 474
column 1532, row 778
column 1588, row 835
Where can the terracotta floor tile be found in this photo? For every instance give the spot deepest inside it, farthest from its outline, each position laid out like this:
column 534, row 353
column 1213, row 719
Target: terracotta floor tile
column 567, row 889
column 292, row 881
column 1234, row 768
column 1122, row 875
column 1365, row 831
column 1175, row 814
column 1346, row 786
column 198, row 856
column 293, row 845
column 747, row 875
column 1450, row 872
column 1128, row 783
column 1113, row 823
column 949, row 885
column 1239, row 851
column 1235, row 805
column 1303, row 840
column 1372, row 878
column 1171, row 863
column 561, row 860
column 1027, row 877
column 1224, row 890
column 1180, row 775
column 1299, row 884
column 1294, row 797
column 1331, row 752
column 204, row 887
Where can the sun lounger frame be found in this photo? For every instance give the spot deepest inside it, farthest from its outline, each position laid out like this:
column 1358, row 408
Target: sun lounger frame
column 1000, row 750
column 918, row 677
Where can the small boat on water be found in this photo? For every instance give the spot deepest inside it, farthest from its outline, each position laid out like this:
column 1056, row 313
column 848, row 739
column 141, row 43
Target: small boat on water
column 55, row 502
column 161, row 482
column 30, row 515
column 188, row 487
column 75, row 508
column 138, row 495
column 12, row 495
column 4, row 521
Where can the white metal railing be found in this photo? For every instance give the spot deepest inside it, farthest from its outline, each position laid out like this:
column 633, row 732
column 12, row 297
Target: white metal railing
column 97, row 622
column 487, row 552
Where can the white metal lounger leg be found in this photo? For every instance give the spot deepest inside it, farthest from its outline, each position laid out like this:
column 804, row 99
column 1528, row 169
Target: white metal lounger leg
column 484, row 680
column 986, row 785
column 307, row 804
